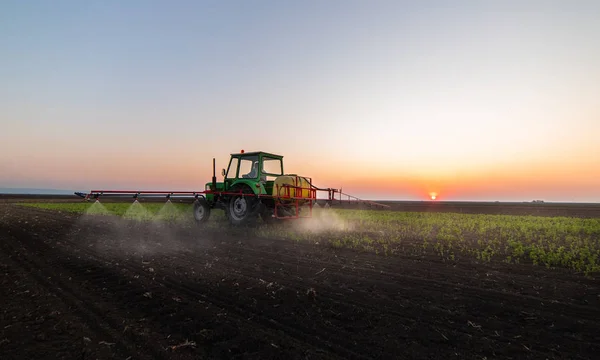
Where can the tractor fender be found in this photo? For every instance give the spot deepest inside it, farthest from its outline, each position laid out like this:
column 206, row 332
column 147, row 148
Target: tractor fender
column 257, row 187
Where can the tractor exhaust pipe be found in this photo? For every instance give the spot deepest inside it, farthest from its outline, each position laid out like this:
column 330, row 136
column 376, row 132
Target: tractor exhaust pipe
column 214, row 178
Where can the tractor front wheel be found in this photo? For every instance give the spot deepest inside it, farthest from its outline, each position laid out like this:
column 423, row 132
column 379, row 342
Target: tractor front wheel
column 201, row 211
column 241, row 208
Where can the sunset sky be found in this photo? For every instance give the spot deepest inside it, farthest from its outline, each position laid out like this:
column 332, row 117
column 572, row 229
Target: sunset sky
column 472, row 100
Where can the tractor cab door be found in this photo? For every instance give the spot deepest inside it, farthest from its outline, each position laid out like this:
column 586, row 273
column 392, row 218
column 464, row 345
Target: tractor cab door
column 231, row 173
column 242, row 167
column 248, row 167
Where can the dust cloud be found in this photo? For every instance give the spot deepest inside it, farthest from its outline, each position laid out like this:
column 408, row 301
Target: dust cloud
column 323, row 219
column 138, row 232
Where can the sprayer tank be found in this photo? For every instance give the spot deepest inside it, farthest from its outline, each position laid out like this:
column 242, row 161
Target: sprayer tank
column 291, row 186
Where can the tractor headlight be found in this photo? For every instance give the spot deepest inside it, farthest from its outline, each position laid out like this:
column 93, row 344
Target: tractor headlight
column 207, row 187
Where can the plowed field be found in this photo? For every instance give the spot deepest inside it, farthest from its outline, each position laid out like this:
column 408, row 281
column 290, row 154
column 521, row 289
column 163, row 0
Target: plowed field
column 78, row 287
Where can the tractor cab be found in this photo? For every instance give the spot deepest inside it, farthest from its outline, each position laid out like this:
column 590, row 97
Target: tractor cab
column 256, row 169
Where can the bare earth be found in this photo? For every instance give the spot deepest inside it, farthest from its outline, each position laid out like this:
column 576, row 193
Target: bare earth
column 77, row 288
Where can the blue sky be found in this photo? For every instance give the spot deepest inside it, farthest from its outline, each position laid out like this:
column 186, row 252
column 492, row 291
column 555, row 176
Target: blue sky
column 430, row 94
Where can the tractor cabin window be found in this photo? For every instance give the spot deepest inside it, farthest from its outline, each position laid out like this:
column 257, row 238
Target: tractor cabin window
column 271, row 168
column 249, row 167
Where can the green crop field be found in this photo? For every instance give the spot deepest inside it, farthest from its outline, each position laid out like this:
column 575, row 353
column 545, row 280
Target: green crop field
column 572, row 243
column 147, row 211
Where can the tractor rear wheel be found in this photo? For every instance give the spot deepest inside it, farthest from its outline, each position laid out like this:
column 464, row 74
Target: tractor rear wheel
column 201, row 210
column 241, row 209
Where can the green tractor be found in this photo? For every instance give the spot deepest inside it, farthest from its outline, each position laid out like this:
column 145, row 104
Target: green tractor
column 255, row 186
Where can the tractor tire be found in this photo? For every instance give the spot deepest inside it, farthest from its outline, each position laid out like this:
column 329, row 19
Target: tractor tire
column 241, row 210
column 201, row 211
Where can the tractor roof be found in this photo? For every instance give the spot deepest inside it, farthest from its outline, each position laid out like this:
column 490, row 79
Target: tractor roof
column 257, row 153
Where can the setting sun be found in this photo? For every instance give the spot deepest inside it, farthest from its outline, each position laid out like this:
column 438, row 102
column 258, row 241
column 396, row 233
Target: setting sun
column 433, row 196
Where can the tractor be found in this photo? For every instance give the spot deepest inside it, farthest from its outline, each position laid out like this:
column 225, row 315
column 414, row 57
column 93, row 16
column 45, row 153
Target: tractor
column 255, row 186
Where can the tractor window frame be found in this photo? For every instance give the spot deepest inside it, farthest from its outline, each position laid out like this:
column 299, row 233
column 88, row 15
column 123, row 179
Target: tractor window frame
column 235, row 172
column 270, row 158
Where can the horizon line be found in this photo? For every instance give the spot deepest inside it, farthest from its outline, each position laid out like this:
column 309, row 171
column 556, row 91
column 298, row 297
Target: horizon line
column 53, row 191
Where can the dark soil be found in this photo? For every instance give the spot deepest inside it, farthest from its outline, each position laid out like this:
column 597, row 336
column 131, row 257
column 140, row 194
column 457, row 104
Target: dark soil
column 77, row 287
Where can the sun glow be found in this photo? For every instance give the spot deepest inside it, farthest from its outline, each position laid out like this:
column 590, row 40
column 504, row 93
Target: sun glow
column 433, row 196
